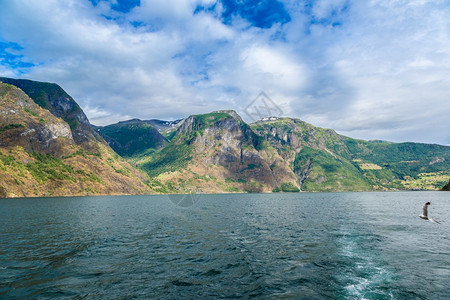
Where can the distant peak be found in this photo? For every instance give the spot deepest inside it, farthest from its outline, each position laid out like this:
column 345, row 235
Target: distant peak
column 135, row 120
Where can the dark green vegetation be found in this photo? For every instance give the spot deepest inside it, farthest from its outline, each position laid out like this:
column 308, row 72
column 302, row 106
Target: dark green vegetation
column 289, row 187
column 176, row 156
column 11, row 126
column 446, row 187
column 321, row 171
column 132, row 138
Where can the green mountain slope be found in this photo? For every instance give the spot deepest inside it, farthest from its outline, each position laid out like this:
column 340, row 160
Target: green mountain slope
column 326, row 161
column 319, row 170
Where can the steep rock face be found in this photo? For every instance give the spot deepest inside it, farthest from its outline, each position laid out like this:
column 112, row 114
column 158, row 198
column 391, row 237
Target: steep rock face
column 291, row 135
column 39, row 157
column 221, row 146
column 52, row 97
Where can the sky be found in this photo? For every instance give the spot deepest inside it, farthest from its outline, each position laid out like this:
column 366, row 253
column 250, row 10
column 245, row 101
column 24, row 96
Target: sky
column 369, row 69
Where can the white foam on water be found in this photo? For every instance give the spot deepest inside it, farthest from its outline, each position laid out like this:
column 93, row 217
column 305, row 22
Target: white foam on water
column 363, row 274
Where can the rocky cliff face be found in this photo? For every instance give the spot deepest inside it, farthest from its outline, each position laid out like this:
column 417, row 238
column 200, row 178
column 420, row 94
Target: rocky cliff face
column 289, row 135
column 39, row 156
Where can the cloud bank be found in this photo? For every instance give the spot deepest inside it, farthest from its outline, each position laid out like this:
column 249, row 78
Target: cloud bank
column 368, row 69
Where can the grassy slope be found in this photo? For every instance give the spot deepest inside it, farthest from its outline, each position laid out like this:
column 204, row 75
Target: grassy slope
column 401, row 165
column 25, row 174
column 329, row 173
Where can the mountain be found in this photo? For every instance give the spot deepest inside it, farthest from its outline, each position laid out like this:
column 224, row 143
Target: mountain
column 217, row 152
column 52, row 97
column 48, row 147
column 132, row 137
column 24, row 124
column 326, row 161
column 40, row 156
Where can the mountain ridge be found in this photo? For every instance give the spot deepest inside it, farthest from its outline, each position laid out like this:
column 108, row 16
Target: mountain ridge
column 324, row 160
column 206, row 153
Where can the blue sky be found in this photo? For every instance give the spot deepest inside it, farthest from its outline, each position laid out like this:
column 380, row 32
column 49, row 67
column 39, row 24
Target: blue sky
column 377, row 69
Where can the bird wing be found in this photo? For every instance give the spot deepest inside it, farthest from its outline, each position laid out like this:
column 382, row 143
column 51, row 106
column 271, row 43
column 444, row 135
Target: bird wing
column 425, row 210
column 433, row 220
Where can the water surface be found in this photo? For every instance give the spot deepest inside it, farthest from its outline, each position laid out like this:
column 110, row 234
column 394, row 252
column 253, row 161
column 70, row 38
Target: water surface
column 288, row 246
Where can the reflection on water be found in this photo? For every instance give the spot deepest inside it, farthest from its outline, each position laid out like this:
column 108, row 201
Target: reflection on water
column 307, row 246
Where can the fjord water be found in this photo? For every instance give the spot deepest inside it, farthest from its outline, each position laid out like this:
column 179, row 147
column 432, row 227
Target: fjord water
column 299, row 246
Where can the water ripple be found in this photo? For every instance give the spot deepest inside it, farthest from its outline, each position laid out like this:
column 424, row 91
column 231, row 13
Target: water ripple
column 290, row 246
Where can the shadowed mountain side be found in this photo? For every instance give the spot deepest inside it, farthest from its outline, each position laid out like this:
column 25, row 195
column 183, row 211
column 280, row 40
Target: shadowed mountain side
column 134, row 137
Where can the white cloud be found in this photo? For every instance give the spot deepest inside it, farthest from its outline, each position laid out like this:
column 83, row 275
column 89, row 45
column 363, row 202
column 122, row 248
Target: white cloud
column 386, row 69
column 375, row 69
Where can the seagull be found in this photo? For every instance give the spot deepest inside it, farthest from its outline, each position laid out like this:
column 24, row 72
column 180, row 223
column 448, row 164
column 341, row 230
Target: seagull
column 424, row 215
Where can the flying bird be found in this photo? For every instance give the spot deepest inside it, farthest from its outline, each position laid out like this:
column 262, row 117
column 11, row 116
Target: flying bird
column 424, row 215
